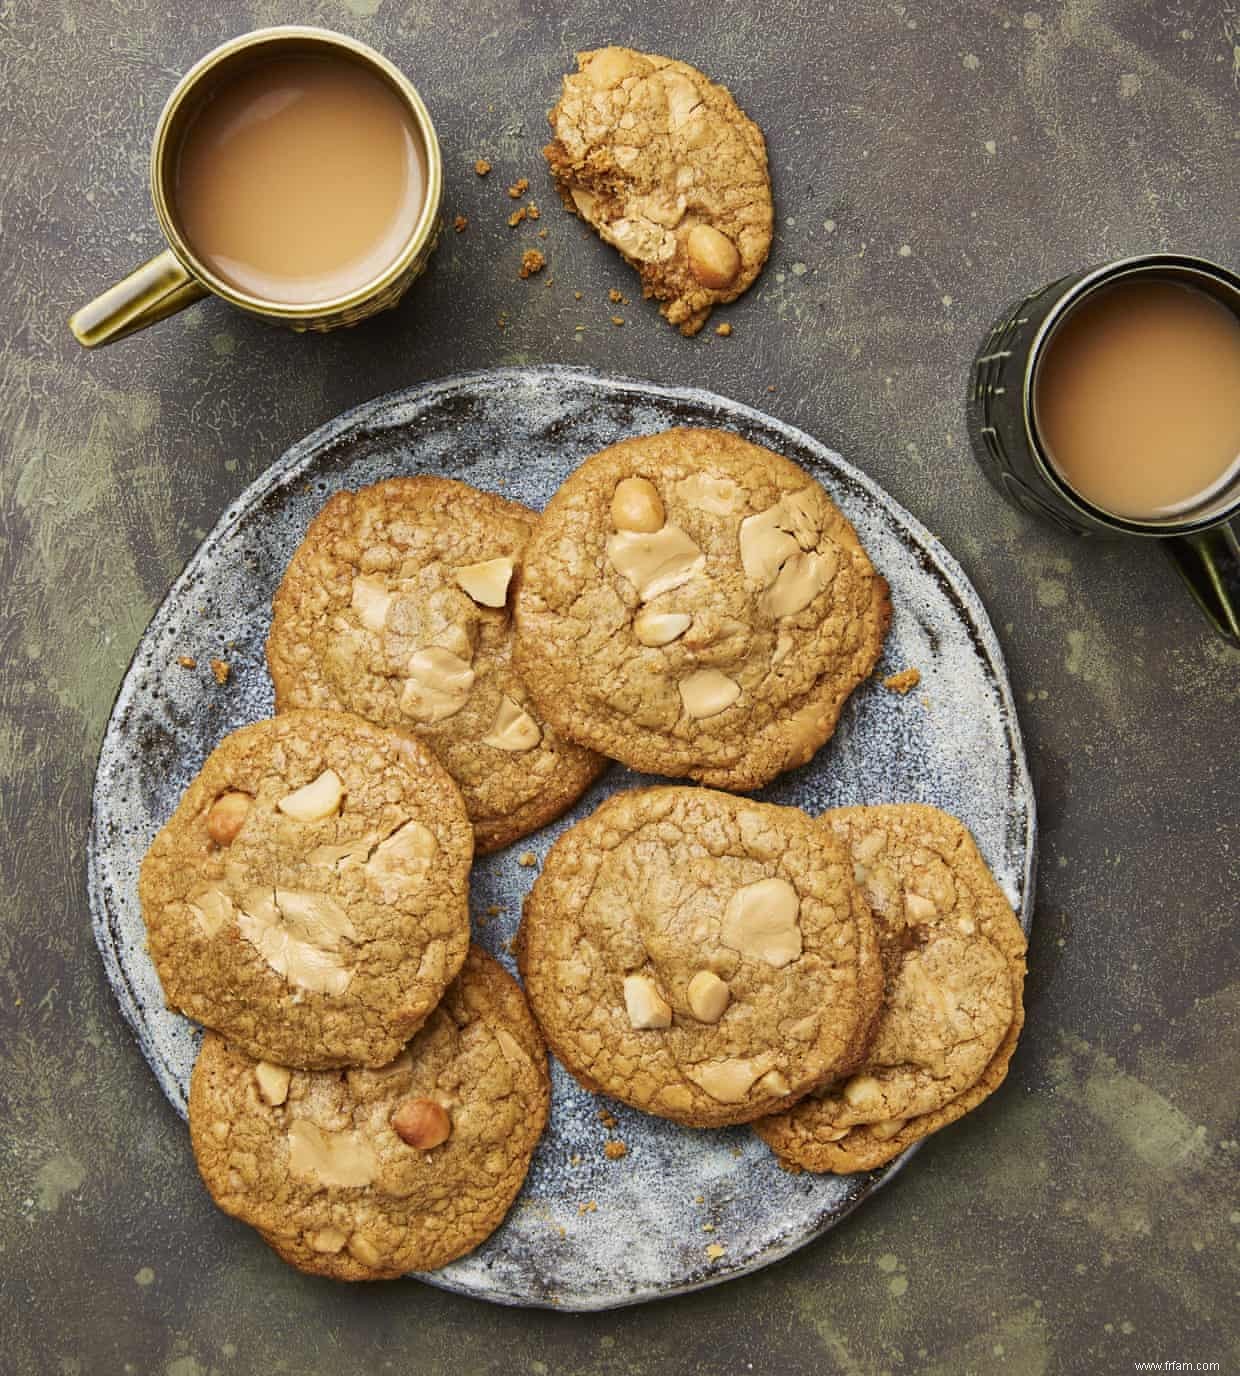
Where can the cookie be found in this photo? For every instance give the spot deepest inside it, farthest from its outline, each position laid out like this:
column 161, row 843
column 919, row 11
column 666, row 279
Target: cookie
column 952, row 1013
column 692, row 604
column 367, row 1174
column 702, row 957
column 309, row 896
column 667, row 168
column 395, row 606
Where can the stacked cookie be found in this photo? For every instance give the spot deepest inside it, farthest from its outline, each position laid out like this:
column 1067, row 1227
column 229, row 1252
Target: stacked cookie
column 852, row 983
column 373, row 1089
column 451, row 671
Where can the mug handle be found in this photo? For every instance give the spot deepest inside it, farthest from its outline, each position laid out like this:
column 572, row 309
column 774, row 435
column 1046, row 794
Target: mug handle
column 1209, row 562
column 159, row 288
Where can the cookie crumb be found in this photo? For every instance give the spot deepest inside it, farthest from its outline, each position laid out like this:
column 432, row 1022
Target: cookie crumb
column 532, row 261
column 519, row 188
column 607, row 1118
column 516, row 217
column 502, row 320
column 482, row 167
column 699, row 1199
column 542, row 233
column 724, row 330
column 221, row 669
column 903, row 682
column 588, row 1206
column 187, row 661
column 527, row 859
column 617, row 320
column 461, row 224
column 575, row 1159
column 614, row 296
column 615, row 1149
column 576, row 295
column 737, row 1152
column 494, row 910
column 708, row 1227
column 533, row 211
column 770, row 389
column 715, row 1250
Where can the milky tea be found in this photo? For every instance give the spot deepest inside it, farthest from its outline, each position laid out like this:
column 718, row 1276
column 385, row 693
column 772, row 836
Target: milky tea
column 1137, row 399
column 300, row 179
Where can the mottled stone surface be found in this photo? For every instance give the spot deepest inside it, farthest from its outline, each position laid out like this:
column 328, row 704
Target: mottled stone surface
column 930, row 162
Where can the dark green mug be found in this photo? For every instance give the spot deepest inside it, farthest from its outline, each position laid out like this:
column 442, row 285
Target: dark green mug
column 1202, row 544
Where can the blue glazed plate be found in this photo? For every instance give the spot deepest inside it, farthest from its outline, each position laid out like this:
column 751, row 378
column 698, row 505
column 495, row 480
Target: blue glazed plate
column 954, row 742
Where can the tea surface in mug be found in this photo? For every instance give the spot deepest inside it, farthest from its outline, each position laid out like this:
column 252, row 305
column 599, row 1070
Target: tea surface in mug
column 1137, row 398
column 300, row 179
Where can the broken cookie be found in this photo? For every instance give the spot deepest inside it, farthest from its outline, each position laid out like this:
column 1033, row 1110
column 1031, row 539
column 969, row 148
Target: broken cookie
column 666, row 167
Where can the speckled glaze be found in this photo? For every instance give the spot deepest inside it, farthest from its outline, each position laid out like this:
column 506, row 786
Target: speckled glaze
column 954, row 742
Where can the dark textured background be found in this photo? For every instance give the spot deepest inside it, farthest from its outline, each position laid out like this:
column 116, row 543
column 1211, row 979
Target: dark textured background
column 931, row 161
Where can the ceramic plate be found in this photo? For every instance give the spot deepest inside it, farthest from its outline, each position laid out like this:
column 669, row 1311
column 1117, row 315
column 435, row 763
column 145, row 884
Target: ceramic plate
column 954, row 742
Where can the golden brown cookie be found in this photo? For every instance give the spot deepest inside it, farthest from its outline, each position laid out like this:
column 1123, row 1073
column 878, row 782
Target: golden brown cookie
column 952, row 1013
column 367, row 1174
column 667, row 168
column 702, row 957
column 395, row 606
column 692, row 604
column 309, row 896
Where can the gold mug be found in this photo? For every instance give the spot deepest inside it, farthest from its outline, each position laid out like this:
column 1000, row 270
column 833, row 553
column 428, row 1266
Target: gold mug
column 177, row 277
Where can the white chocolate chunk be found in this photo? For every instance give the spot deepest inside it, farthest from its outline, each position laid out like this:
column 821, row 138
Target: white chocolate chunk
column 655, row 562
column 361, row 1247
column 774, row 1083
column 773, row 536
column 514, row 729
column 330, row 1158
column 718, row 496
column 645, row 1005
column 887, row 1129
column 919, row 909
column 727, row 1081
column 212, row 908
column 708, row 996
column 660, row 628
column 299, row 935
column 798, row 582
column 328, row 1240
column 315, row 801
column 707, row 692
column 438, row 686
column 761, row 921
column 273, row 1082
column 487, row 582
column 863, row 1091
column 371, row 601
column 403, row 861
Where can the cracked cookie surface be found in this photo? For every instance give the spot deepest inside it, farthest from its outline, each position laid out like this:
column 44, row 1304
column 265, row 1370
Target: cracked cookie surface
column 668, row 169
column 693, row 604
column 395, row 606
column 699, row 956
column 309, row 896
column 955, row 959
column 366, row 1174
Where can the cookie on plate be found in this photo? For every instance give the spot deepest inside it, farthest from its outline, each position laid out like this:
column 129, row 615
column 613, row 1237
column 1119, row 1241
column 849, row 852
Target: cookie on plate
column 367, row 1174
column 693, row 604
column 395, row 606
column 699, row 956
column 667, row 168
column 309, row 896
column 955, row 958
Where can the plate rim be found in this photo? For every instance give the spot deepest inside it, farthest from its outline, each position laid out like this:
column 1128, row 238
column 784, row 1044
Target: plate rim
column 285, row 469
